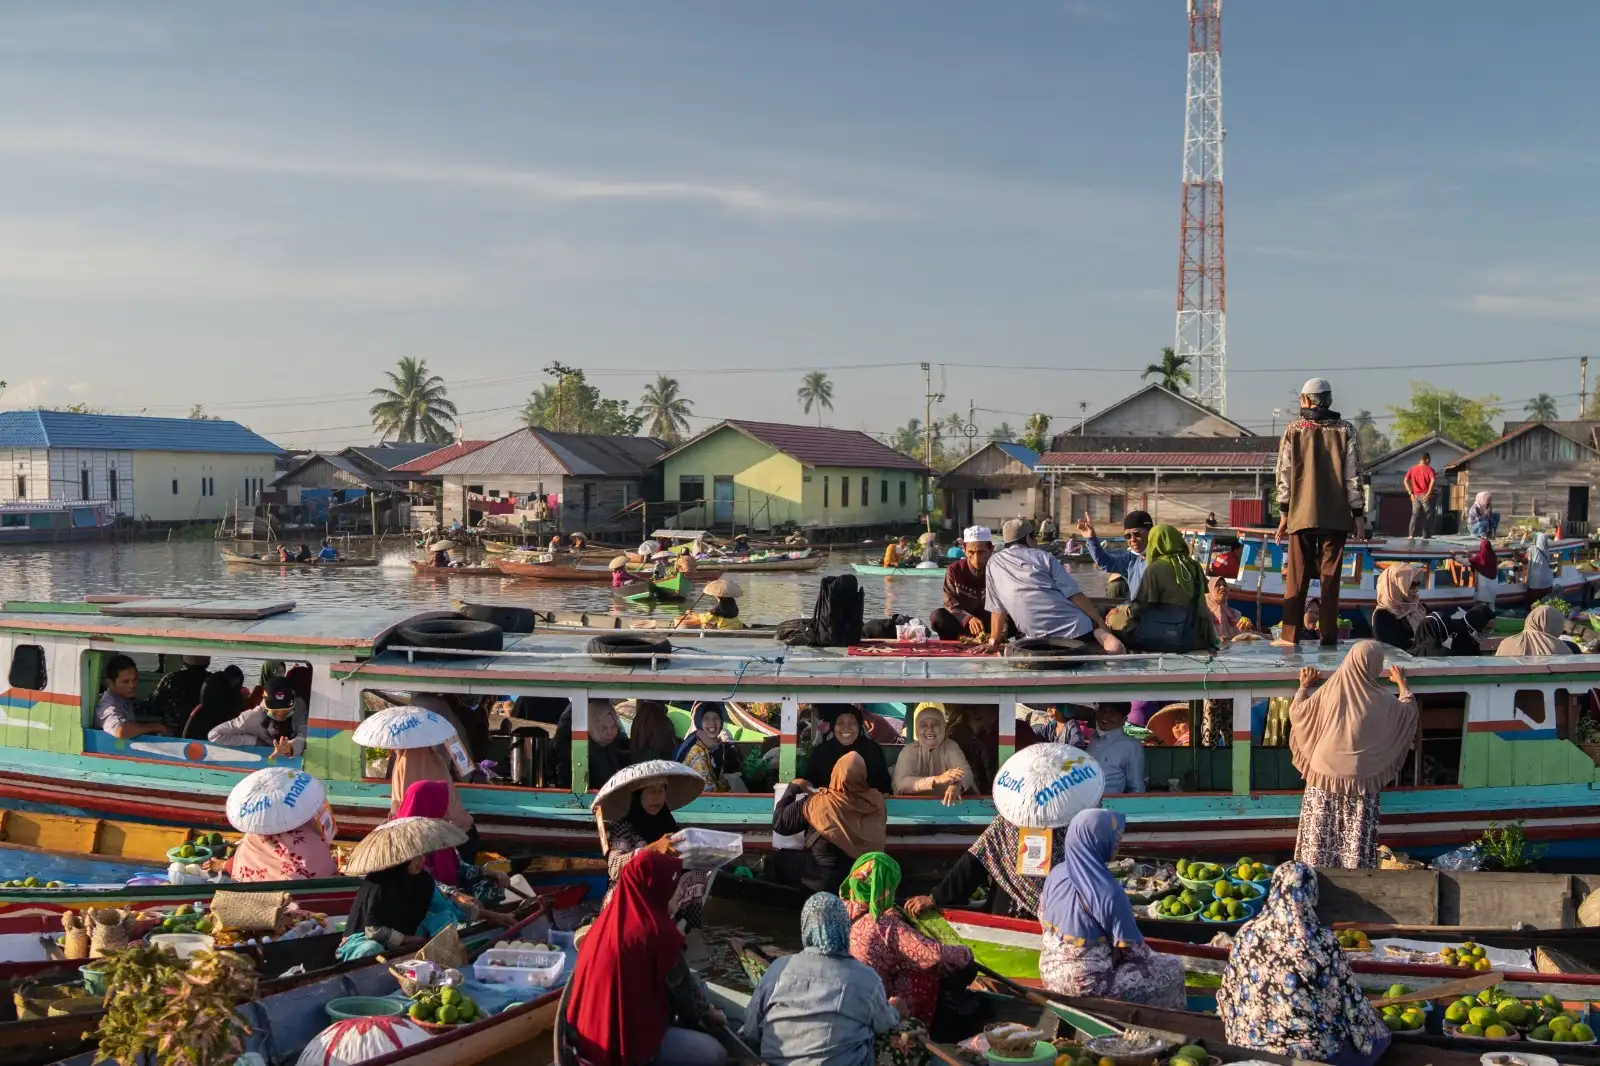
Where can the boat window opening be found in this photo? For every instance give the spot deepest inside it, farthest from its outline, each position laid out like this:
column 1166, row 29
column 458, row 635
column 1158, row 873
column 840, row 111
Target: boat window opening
column 1569, row 708
column 1441, row 725
column 28, row 668
column 1188, row 748
column 13, row 521
column 1530, row 703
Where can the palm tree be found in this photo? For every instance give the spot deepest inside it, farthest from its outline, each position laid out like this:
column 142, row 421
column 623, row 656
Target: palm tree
column 816, row 391
column 908, row 439
column 414, row 408
column 1003, row 433
column 665, row 412
column 1172, row 372
column 1036, row 431
column 1542, row 408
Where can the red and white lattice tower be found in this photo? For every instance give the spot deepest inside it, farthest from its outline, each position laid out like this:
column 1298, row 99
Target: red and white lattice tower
column 1202, row 332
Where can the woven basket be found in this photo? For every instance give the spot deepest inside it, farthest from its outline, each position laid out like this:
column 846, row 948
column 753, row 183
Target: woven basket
column 1397, row 860
column 34, row 1001
column 1589, row 911
column 110, row 930
column 249, row 912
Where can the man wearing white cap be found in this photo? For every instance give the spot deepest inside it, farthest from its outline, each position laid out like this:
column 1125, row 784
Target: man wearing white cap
column 963, row 613
column 1320, row 504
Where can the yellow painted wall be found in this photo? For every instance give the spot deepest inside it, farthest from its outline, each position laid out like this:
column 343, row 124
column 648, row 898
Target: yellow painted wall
column 766, row 483
column 154, row 472
column 872, row 512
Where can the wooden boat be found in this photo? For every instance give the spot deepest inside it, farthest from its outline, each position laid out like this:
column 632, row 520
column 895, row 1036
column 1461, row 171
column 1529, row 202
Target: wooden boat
column 897, row 571
column 234, row 558
column 806, row 561
column 559, row 570
column 429, row 570
column 672, row 589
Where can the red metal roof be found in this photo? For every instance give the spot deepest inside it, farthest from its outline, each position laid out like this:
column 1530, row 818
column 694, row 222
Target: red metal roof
column 821, row 445
column 1165, row 460
column 425, row 464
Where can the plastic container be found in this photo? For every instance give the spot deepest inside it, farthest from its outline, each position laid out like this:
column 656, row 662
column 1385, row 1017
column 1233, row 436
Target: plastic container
column 339, row 1010
column 707, row 849
column 1199, row 886
column 514, row 966
column 1261, row 882
column 200, row 854
column 94, row 978
column 1043, row 1052
column 185, row 944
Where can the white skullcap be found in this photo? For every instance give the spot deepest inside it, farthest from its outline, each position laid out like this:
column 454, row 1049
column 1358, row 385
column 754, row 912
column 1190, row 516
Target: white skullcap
column 1315, row 387
column 977, row 534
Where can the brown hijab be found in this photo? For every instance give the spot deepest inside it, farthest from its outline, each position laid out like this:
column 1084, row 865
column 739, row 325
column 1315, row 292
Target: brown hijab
column 1540, row 635
column 1396, row 597
column 847, row 812
column 426, row 764
column 1352, row 735
column 652, row 731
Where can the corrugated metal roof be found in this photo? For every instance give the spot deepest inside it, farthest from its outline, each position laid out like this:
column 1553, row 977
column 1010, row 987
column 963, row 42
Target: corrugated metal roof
column 440, row 456
column 139, row 433
column 817, row 445
column 1073, row 443
column 542, row 453
column 345, row 463
column 388, row 456
column 1247, row 461
column 1591, row 445
column 1020, row 452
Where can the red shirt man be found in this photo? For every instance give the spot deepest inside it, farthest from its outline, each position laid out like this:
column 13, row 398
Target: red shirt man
column 1419, row 484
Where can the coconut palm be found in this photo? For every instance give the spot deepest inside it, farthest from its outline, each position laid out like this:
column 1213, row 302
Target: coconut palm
column 1542, row 408
column 414, row 407
column 908, row 439
column 1172, row 373
column 1003, row 433
column 665, row 412
column 815, row 391
column 1036, row 431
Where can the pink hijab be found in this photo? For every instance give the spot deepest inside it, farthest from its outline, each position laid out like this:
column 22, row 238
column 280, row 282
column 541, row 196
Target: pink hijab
column 430, row 799
column 299, row 854
column 412, row 765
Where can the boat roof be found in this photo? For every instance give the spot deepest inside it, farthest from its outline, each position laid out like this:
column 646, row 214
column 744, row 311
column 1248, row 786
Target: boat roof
column 1438, row 547
column 754, row 667
column 262, row 625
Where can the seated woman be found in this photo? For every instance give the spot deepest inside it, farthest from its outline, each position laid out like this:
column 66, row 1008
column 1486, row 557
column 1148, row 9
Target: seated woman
column 1481, row 519
column 1399, row 618
column 633, row 955
column 411, row 765
column 651, row 735
column 725, row 615
column 297, row 853
column 707, row 750
column 431, row 799
column 910, row 964
column 1288, row 988
column 220, row 702
column 1092, row 944
column 1171, row 579
column 609, row 749
column 620, row 578
column 839, row 824
column 1541, row 635
column 990, row 866
column 845, row 736
column 280, row 723
column 934, row 765
column 648, row 823
column 820, row 1006
column 1227, row 621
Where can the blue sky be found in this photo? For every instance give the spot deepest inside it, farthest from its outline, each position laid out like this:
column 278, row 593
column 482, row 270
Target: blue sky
column 262, row 209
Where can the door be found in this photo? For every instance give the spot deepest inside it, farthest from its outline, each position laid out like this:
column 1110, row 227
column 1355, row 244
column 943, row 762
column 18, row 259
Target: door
column 1394, row 514
column 1577, row 515
column 722, row 500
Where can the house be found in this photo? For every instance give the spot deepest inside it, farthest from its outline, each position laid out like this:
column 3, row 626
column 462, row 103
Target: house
column 993, row 484
column 1390, row 503
column 339, row 491
column 155, row 469
column 1537, row 470
column 767, row 475
column 587, row 479
column 424, row 483
column 388, row 456
column 1159, row 452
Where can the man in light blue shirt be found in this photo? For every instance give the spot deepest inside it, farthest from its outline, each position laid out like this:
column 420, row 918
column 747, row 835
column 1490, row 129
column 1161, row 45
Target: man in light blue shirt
column 1128, row 565
column 1121, row 758
column 328, row 553
column 1031, row 589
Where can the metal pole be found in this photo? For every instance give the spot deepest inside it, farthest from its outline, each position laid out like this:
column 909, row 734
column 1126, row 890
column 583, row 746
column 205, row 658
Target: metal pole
column 1583, row 387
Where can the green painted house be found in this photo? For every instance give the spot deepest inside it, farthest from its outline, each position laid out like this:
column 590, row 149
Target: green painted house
column 765, row 475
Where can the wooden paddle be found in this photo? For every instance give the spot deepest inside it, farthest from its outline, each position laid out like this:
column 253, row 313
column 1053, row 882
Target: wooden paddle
column 733, row 1038
column 1476, row 983
column 938, row 1052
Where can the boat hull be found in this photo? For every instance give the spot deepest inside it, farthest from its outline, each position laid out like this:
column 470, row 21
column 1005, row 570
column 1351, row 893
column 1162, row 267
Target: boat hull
column 429, row 570
column 235, row 559
column 781, row 566
column 554, row 571
column 897, row 571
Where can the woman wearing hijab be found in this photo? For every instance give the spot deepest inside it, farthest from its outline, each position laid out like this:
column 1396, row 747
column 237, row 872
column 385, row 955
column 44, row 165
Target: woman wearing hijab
column 1348, row 739
column 1092, row 944
column 1288, row 988
column 608, row 746
column 220, row 703
column 631, row 987
column 840, row 824
column 934, row 764
column 1224, row 618
column 431, row 764
column 820, row 1006
column 990, row 866
column 845, row 736
column 431, row 799
column 725, row 615
column 1541, row 575
column 1482, row 519
column 705, row 751
column 1541, row 635
column 649, row 822
column 1485, row 565
column 910, row 964
column 299, row 853
column 1398, row 618
column 1171, row 579
column 651, row 735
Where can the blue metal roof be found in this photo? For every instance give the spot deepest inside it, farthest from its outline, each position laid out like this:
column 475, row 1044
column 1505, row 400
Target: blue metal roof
column 1021, row 453
column 68, row 429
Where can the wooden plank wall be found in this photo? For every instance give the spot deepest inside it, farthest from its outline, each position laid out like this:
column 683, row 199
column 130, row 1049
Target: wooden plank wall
column 1434, row 897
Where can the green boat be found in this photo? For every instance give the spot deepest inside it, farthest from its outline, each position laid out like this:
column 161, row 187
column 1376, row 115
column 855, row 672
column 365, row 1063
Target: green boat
column 668, row 590
column 897, row 571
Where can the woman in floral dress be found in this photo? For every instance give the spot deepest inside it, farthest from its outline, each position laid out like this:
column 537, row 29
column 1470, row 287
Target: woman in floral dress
column 910, row 964
column 1092, row 944
column 706, row 751
column 1288, row 988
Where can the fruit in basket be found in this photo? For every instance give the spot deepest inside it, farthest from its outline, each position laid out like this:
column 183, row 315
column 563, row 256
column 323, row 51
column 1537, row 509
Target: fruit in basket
column 1495, row 1032
column 1512, row 1011
column 1456, row 1013
column 1481, row 1016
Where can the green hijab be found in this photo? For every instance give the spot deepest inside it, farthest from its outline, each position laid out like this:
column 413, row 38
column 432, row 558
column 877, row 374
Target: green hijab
column 873, row 880
column 1167, row 543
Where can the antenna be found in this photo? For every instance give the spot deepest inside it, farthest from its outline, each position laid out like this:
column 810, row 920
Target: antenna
column 1202, row 334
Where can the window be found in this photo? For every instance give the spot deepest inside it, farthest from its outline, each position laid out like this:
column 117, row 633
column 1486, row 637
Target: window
column 844, row 492
column 22, row 486
column 111, row 483
column 174, row 486
column 1118, row 508
column 83, row 484
column 985, row 494
column 866, row 493
column 902, row 493
column 691, row 487
column 883, row 497
column 13, row 521
column 824, row 490
column 27, row 668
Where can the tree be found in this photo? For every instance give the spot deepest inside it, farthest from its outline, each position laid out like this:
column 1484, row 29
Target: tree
column 907, row 440
column 571, row 405
column 1542, row 408
column 955, row 428
column 815, row 391
column 1003, row 433
column 1371, row 441
column 1036, row 431
column 414, row 407
column 664, row 410
column 1463, row 419
column 1172, row 372
column 198, row 412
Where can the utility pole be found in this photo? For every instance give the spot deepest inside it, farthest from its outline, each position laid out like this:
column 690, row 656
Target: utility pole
column 972, row 423
column 1083, row 416
column 928, row 398
column 1583, row 387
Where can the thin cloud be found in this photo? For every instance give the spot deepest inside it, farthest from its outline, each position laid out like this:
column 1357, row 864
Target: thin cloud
column 1537, row 293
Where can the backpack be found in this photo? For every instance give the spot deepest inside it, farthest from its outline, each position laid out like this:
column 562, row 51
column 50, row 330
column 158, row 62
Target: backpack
column 840, row 609
column 796, row 632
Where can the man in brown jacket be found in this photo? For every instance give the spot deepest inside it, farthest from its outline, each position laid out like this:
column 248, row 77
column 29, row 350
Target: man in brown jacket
column 1320, row 504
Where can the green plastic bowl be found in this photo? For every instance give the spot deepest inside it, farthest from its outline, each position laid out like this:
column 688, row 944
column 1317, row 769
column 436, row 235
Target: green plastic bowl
column 363, row 1007
column 94, row 979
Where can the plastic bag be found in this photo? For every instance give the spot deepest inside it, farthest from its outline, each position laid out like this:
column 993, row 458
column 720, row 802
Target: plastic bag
column 707, row 849
column 1465, row 859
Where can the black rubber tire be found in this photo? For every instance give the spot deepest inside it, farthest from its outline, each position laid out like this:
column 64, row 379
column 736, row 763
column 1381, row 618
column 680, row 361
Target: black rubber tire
column 625, row 649
column 1046, row 653
column 450, row 634
column 509, row 619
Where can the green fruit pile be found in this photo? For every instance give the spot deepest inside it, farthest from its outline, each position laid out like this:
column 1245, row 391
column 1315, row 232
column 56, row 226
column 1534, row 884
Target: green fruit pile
column 184, row 919
column 1070, row 1054
column 1497, row 1015
column 1246, row 869
column 1353, row 940
column 31, row 882
column 1175, row 907
column 1189, row 1055
column 1194, row 870
column 1403, row 1017
column 1468, row 956
column 444, row 1006
column 1225, row 910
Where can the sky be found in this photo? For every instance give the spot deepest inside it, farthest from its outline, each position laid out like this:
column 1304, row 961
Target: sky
column 261, row 208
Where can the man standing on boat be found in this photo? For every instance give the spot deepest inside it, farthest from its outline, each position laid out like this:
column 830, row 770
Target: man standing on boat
column 1128, row 565
column 1419, row 486
column 1030, row 588
column 1320, row 504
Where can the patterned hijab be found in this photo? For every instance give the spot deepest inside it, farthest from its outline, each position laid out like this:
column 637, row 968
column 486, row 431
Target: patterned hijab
column 1167, row 544
column 825, row 925
column 1395, row 594
column 1288, row 988
column 1082, row 902
column 873, row 881
column 996, row 849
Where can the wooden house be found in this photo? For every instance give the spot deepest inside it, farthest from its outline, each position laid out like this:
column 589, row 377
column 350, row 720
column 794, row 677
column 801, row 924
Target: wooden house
column 993, row 484
column 1390, row 506
column 1534, row 470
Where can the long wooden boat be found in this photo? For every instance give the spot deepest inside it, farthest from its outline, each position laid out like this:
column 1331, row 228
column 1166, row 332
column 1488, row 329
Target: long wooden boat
column 560, row 570
column 807, row 560
column 234, row 558
column 429, row 570
column 872, row 570
column 1489, row 733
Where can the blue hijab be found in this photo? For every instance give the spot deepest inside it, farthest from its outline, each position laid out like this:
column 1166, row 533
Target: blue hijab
column 825, row 925
column 1081, row 901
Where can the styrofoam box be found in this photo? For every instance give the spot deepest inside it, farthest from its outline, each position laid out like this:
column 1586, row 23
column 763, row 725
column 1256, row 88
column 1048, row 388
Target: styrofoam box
column 529, row 969
column 707, row 849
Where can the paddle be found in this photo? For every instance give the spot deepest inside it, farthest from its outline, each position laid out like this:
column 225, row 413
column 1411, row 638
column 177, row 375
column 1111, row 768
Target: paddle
column 733, row 1038
column 1476, row 983
column 938, row 1052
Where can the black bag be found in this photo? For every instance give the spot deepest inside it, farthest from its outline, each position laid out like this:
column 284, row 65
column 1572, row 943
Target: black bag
column 1164, row 627
column 884, row 628
column 796, row 632
column 840, row 609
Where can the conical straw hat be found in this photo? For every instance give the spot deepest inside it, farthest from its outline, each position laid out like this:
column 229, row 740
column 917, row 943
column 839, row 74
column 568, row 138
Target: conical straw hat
column 724, row 588
column 441, row 545
column 397, row 842
column 619, row 562
column 684, row 786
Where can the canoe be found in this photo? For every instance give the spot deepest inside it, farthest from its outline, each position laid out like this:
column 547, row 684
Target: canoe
column 557, row 571
column 897, row 571
column 337, row 564
column 671, row 589
column 772, row 566
column 429, row 570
